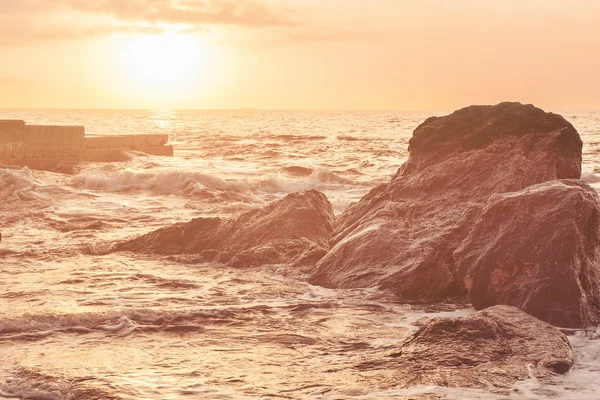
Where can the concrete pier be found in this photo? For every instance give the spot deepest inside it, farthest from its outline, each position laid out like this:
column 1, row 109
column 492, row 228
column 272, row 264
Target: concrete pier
column 50, row 147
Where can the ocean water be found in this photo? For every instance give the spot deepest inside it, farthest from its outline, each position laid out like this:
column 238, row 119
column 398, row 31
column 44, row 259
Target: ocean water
column 75, row 325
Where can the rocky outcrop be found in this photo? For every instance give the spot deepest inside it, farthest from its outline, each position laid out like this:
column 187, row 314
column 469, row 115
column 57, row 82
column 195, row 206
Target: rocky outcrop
column 539, row 250
column 402, row 234
column 492, row 349
column 293, row 231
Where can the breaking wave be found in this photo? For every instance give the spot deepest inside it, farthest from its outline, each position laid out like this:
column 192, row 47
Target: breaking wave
column 590, row 177
column 181, row 182
column 23, row 185
column 17, row 183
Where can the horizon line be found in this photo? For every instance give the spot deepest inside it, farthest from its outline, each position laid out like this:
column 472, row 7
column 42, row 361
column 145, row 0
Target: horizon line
column 250, row 109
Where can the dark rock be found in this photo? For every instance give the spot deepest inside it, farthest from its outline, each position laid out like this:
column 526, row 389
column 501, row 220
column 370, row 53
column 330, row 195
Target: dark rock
column 402, row 234
column 539, row 250
column 293, row 230
column 492, row 349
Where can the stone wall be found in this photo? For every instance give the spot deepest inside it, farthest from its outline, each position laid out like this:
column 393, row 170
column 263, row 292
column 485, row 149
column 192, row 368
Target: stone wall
column 61, row 147
column 102, row 148
column 10, row 130
column 54, row 141
column 41, row 146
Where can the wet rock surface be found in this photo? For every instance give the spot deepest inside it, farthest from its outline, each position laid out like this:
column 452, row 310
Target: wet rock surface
column 537, row 249
column 402, row 234
column 293, row 230
column 491, row 349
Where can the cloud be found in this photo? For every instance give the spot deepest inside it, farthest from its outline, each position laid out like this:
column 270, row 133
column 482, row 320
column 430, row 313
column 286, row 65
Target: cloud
column 214, row 12
column 191, row 12
column 33, row 21
column 14, row 34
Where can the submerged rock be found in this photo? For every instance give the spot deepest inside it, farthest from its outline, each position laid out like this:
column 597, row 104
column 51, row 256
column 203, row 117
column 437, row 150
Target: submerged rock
column 402, row 234
column 539, row 250
column 294, row 230
column 492, row 349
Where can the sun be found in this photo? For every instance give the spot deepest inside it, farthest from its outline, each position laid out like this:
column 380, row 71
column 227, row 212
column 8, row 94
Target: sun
column 163, row 65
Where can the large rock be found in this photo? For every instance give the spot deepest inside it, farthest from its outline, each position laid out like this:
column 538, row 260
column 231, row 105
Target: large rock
column 402, row 234
column 294, row 230
column 537, row 249
column 492, row 349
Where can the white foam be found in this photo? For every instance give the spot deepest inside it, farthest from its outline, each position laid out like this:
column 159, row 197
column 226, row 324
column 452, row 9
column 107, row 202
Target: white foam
column 15, row 183
column 184, row 182
column 23, row 185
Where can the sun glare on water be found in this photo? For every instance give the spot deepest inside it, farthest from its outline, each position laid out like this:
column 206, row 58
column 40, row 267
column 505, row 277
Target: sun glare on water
column 164, row 65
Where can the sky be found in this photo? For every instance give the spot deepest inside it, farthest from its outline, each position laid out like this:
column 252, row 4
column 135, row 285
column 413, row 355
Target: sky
column 299, row 54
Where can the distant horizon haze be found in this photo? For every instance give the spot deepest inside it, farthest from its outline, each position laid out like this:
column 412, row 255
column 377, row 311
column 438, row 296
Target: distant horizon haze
column 316, row 110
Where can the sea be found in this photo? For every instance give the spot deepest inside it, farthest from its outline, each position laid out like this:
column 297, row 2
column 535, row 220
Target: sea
column 76, row 324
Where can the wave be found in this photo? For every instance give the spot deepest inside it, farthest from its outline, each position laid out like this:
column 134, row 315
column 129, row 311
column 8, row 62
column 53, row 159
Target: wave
column 353, row 171
column 34, row 327
column 31, row 327
column 22, row 185
column 327, row 176
column 17, row 183
column 295, row 170
column 296, row 138
column 590, row 177
column 79, row 224
column 29, row 383
column 350, row 138
column 182, row 182
column 161, row 182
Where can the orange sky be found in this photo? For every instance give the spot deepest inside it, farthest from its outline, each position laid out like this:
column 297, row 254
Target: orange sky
column 299, row 54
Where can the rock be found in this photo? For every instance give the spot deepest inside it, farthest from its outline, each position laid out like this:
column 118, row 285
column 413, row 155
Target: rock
column 491, row 349
column 402, row 234
column 539, row 250
column 294, row 230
